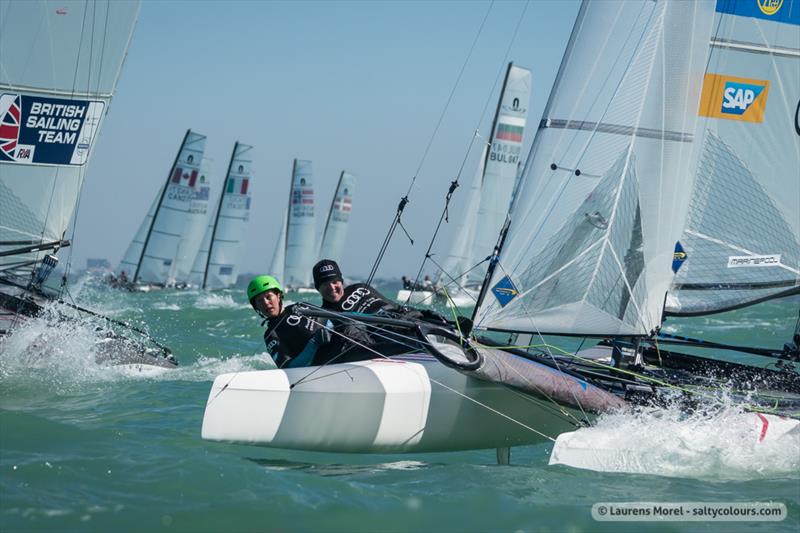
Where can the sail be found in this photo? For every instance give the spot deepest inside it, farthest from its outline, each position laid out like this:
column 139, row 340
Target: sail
column 279, row 255
column 501, row 165
column 459, row 258
column 742, row 238
column 605, row 190
column 58, row 70
column 227, row 226
column 300, row 230
column 152, row 256
column 194, row 225
column 335, row 233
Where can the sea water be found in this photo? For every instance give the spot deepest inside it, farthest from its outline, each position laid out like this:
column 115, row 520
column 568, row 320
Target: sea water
column 86, row 447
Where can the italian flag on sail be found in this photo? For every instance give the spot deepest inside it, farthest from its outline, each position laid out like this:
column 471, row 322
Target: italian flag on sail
column 508, row 132
column 233, row 188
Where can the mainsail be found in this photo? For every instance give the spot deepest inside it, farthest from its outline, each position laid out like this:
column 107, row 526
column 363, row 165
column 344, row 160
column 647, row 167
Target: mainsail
column 335, row 233
column 195, row 225
column 153, row 251
column 606, row 187
column 217, row 263
column 742, row 239
column 500, row 165
column 58, row 71
column 300, row 230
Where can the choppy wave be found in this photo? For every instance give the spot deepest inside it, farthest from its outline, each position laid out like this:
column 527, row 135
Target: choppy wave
column 218, row 301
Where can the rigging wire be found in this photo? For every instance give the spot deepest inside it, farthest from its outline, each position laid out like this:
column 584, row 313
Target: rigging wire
column 455, row 183
column 404, row 200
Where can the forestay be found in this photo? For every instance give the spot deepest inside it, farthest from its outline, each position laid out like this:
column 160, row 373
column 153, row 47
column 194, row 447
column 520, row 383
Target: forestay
column 500, row 165
column 58, row 70
column 335, row 233
column 300, row 231
column 742, row 239
column 227, row 226
column 606, row 187
column 153, row 251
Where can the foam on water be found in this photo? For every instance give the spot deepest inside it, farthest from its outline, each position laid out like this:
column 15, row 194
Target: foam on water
column 726, row 444
column 218, row 301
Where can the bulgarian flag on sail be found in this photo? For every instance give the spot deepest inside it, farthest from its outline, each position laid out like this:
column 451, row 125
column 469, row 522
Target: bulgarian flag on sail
column 509, row 132
column 237, row 185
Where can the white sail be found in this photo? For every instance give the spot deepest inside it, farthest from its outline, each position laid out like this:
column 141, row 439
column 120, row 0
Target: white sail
column 742, row 239
column 459, row 258
column 279, row 255
column 606, row 188
column 152, row 257
column 194, row 225
column 300, row 231
column 335, row 233
column 227, row 226
column 500, row 165
column 59, row 67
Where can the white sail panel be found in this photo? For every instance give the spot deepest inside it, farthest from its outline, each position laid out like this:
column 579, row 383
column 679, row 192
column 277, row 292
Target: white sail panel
column 225, row 235
column 130, row 261
column 300, row 231
column 195, row 224
column 742, row 238
column 335, row 233
column 157, row 263
column 606, row 187
column 54, row 94
column 501, row 165
column 279, row 255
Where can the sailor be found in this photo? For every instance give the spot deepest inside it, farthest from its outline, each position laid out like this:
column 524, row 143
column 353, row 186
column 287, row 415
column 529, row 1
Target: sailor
column 292, row 340
column 356, row 298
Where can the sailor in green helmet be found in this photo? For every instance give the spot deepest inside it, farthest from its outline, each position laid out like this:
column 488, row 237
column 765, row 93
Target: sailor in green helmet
column 292, row 340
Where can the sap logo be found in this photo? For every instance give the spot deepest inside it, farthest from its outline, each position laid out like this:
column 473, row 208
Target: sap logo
column 733, row 98
column 737, row 97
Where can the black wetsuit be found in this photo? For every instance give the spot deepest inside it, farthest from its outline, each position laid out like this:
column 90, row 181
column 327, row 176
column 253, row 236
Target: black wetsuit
column 293, row 340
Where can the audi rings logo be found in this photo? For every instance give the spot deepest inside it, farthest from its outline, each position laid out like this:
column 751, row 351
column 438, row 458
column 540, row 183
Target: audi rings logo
column 354, row 298
column 326, row 268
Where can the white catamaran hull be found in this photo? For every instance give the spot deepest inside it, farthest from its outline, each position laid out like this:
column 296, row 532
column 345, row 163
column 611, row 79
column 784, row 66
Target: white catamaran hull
column 408, row 404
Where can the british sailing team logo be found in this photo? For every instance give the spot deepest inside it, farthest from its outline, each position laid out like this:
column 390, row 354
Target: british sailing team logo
column 733, row 98
column 9, row 129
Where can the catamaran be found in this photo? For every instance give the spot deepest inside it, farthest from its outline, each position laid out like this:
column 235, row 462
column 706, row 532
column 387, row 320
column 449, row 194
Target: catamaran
column 216, row 264
column 296, row 245
column 167, row 241
column 59, row 68
column 657, row 108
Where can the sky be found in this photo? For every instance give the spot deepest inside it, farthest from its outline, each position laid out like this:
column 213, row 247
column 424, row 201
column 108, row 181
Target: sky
column 356, row 86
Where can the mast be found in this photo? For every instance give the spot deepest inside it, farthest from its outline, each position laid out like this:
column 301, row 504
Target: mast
column 216, row 217
column 158, row 207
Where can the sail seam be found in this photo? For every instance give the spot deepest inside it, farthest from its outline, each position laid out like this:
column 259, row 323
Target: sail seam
column 617, row 129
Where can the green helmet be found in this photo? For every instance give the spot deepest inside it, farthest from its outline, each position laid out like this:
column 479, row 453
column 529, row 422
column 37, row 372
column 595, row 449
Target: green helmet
column 261, row 284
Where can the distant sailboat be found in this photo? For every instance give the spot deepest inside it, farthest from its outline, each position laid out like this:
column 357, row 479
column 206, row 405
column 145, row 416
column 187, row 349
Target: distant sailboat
column 490, row 194
column 296, row 246
column 217, row 263
column 335, row 233
column 58, row 72
column 152, row 258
